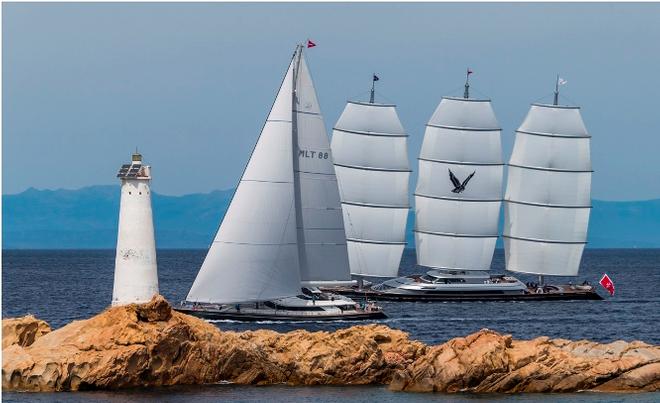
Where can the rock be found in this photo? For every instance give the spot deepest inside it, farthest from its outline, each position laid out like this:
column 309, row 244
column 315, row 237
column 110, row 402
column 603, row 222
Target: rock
column 152, row 345
column 22, row 331
column 157, row 309
column 490, row 362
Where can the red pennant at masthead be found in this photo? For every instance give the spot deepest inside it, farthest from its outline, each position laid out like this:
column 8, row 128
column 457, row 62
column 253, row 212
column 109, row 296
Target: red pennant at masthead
column 310, row 44
column 469, row 72
column 607, row 284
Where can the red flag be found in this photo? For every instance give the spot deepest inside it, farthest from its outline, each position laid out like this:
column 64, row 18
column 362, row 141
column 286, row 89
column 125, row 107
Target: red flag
column 607, row 284
column 469, row 72
column 310, row 44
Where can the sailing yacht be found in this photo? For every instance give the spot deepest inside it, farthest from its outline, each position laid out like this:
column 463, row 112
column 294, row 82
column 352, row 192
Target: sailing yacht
column 459, row 195
column 548, row 197
column 457, row 204
column 283, row 235
column 370, row 151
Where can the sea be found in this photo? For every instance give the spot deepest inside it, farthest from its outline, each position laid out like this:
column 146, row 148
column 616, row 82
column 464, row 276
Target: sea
column 60, row 286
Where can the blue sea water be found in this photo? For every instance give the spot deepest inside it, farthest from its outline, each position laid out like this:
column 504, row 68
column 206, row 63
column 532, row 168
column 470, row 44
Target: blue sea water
column 61, row 286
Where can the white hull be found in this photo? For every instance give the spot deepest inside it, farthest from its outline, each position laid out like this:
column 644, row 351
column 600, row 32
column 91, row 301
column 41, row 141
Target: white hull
column 313, row 306
column 438, row 282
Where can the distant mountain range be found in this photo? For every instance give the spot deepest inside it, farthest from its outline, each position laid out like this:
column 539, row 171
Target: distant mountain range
column 87, row 218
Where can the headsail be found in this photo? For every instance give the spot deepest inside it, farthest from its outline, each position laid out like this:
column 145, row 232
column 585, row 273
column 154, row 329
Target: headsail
column 322, row 244
column 459, row 189
column 254, row 255
column 548, row 196
column 371, row 160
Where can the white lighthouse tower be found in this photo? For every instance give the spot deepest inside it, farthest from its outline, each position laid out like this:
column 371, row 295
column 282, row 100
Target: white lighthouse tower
column 136, row 276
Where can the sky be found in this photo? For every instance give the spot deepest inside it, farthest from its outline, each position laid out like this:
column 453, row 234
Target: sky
column 190, row 85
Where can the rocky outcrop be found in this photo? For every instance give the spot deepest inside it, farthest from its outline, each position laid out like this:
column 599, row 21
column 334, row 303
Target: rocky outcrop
column 22, row 331
column 151, row 345
column 490, row 362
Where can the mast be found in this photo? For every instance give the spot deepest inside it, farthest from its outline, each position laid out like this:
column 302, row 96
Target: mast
column 466, row 93
column 556, row 100
column 548, row 195
column 370, row 152
column 458, row 194
column 300, row 235
column 374, row 78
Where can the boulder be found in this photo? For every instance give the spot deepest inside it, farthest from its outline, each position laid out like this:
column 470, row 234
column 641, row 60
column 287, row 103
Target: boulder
column 22, row 331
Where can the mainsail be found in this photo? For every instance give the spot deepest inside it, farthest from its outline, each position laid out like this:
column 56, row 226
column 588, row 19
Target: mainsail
column 547, row 200
column 459, row 189
column 283, row 222
column 321, row 241
column 371, row 160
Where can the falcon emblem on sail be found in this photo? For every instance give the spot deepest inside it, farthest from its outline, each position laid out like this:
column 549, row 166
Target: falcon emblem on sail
column 459, row 186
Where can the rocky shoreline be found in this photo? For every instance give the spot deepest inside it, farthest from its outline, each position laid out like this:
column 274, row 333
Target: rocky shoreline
column 152, row 345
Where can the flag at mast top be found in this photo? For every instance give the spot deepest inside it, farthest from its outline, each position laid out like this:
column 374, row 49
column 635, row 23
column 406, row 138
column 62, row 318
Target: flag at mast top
column 560, row 81
column 310, row 44
column 374, row 78
column 466, row 94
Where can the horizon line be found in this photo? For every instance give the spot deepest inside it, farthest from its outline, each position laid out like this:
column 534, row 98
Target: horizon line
column 233, row 189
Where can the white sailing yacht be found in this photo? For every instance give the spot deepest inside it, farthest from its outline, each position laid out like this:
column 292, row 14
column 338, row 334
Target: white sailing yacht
column 282, row 235
column 457, row 205
column 370, row 152
column 548, row 196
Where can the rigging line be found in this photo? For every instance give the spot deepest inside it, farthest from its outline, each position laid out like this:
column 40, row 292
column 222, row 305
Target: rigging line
column 543, row 97
column 381, row 95
column 454, row 90
column 569, row 100
column 359, row 95
column 485, row 96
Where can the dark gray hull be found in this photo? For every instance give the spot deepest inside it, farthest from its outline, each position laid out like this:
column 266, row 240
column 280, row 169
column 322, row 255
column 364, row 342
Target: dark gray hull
column 390, row 295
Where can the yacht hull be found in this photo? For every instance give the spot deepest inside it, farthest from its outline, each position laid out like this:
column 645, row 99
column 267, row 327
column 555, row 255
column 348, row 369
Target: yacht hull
column 279, row 316
column 458, row 296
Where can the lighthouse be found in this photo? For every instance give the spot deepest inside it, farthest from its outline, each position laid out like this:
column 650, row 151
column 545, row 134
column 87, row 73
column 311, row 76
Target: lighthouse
column 136, row 276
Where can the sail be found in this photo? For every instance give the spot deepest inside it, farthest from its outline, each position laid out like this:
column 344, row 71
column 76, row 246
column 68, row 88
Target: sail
column 548, row 195
column 254, row 255
column 459, row 189
column 321, row 241
column 370, row 151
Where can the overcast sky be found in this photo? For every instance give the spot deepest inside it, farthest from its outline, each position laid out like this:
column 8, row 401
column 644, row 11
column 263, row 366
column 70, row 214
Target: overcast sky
column 191, row 84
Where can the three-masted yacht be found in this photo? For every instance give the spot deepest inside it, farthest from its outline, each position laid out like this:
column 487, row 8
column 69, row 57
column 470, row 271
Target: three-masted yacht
column 548, row 197
column 457, row 205
column 370, row 152
column 283, row 234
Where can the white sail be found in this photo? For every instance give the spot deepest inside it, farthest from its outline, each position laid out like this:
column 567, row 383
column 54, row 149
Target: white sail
column 322, row 244
column 548, row 196
column 254, row 255
column 371, row 161
column 456, row 226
